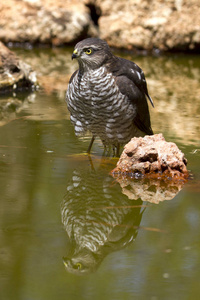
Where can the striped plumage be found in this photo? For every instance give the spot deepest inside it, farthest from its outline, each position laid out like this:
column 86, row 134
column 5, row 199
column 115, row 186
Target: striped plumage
column 107, row 95
column 98, row 219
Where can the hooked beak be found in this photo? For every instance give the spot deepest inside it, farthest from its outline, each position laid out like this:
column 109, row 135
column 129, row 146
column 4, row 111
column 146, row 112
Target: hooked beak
column 75, row 54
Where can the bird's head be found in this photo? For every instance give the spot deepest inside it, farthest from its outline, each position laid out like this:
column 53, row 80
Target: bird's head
column 91, row 53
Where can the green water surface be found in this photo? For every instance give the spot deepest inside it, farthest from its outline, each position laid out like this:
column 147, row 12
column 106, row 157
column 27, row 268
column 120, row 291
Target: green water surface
column 69, row 230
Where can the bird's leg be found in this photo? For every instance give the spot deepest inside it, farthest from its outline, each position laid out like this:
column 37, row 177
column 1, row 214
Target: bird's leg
column 106, row 150
column 91, row 162
column 117, row 149
column 114, row 150
column 91, row 143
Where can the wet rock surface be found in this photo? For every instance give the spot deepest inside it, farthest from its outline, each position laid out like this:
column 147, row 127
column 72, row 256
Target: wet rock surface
column 14, row 73
column 153, row 157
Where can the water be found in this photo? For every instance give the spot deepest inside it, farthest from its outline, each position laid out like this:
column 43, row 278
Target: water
column 68, row 230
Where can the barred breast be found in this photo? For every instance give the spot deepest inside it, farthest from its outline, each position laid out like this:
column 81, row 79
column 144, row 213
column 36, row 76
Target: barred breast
column 96, row 104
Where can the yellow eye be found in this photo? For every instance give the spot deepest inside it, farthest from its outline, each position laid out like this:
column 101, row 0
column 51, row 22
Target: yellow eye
column 88, row 51
column 78, row 266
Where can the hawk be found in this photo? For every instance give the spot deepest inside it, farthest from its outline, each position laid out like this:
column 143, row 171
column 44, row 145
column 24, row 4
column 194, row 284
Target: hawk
column 107, row 95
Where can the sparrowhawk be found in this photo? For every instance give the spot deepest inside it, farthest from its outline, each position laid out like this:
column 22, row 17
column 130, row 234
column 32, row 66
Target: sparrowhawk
column 107, row 95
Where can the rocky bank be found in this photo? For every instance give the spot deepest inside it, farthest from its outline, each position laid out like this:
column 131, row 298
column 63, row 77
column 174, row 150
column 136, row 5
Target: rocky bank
column 14, row 73
column 145, row 25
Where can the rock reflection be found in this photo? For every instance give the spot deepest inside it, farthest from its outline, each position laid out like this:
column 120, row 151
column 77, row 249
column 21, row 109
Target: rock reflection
column 151, row 190
column 98, row 220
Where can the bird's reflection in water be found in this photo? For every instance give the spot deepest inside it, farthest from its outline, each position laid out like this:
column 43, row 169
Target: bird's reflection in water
column 98, row 219
column 100, row 216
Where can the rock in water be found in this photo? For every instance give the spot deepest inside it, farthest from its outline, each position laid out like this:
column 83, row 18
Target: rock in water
column 152, row 156
column 14, row 73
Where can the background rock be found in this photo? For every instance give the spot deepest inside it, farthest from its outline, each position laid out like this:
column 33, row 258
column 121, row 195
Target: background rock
column 43, row 21
column 14, row 73
column 165, row 25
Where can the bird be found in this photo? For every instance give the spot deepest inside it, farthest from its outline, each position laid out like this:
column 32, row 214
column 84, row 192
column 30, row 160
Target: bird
column 107, row 96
